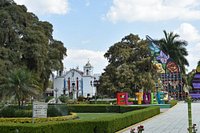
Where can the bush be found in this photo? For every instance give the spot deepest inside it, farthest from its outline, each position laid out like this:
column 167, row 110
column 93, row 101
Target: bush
column 39, row 120
column 15, row 111
column 81, row 98
column 102, row 125
column 173, row 103
column 89, row 108
column 52, row 111
column 48, row 98
column 63, row 99
column 103, row 102
column 57, row 110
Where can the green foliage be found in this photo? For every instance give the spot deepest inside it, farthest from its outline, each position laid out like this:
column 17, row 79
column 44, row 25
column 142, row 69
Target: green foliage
column 57, row 110
column 27, row 41
column 81, row 98
column 13, row 111
column 64, row 99
column 93, row 108
column 52, row 111
column 48, row 98
column 39, row 120
column 129, row 67
column 107, row 125
column 20, row 84
column 176, row 49
column 188, row 79
column 173, row 103
column 101, row 108
column 103, row 102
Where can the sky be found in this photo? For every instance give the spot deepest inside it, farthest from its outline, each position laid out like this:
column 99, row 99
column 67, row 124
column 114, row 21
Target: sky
column 89, row 27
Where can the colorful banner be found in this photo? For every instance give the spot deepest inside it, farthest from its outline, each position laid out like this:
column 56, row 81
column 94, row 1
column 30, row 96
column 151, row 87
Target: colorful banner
column 169, row 70
column 160, row 59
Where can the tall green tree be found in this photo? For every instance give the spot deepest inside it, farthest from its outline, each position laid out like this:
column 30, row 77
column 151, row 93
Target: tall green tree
column 176, row 48
column 27, row 41
column 20, row 84
column 129, row 66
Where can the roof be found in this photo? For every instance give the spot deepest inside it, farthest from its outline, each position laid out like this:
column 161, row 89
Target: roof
column 78, row 71
column 88, row 64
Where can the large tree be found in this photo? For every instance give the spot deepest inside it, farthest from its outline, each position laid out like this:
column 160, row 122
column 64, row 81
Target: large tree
column 176, row 48
column 27, row 41
column 129, row 66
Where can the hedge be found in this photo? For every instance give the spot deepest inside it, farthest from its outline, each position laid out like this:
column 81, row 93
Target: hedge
column 101, row 125
column 173, row 103
column 101, row 108
column 26, row 111
column 39, row 120
column 63, row 109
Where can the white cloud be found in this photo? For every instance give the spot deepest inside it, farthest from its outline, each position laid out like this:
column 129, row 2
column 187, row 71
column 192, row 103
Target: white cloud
column 46, row 6
column 190, row 33
column 79, row 57
column 153, row 10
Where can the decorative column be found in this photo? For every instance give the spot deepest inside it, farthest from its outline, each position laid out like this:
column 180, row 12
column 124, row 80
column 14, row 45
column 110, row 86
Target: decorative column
column 189, row 115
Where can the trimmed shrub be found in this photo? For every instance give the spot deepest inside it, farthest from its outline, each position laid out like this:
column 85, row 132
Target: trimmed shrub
column 39, row 120
column 52, row 111
column 81, row 98
column 48, row 98
column 124, row 109
column 88, row 108
column 101, row 108
column 103, row 102
column 13, row 111
column 63, row 99
column 57, row 110
column 173, row 103
column 102, row 125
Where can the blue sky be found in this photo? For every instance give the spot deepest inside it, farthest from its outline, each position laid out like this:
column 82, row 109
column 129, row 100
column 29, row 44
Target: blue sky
column 89, row 27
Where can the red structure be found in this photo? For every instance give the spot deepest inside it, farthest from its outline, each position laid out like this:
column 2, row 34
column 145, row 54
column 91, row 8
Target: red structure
column 122, row 98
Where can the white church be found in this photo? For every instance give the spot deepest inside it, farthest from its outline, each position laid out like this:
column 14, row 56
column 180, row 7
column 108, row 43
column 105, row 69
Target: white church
column 76, row 83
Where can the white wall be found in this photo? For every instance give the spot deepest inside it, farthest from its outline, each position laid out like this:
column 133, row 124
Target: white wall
column 59, row 84
column 72, row 75
column 87, row 88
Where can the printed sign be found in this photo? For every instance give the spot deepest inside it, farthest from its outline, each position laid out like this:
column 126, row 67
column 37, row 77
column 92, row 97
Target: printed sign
column 40, row 110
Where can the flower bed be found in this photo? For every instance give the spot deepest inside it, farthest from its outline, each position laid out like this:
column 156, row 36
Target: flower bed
column 39, row 120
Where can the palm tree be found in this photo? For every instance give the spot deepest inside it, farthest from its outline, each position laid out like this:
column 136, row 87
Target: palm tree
column 20, row 84
column 175, row 48
column 198, row 63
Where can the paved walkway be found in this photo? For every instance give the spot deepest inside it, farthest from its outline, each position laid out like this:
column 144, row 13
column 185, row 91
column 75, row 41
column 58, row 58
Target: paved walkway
column 175, row 120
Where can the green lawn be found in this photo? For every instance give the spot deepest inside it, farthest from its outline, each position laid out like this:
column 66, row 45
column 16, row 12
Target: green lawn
column 92, row 116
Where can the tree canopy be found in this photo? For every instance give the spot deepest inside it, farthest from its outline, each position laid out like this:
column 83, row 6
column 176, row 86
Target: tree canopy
column 129, row 66
column 25, row 41
column 20, row 84
column 176, row 48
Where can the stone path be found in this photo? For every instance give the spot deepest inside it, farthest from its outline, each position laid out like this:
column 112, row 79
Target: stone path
column 175, row 120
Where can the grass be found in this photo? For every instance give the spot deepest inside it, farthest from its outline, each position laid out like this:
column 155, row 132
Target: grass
column 93, row 116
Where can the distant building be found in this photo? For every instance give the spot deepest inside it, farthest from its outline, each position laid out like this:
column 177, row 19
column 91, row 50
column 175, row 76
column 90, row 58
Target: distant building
column 75, row 83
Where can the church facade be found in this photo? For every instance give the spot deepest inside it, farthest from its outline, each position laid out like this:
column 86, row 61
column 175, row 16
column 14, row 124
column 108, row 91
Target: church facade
column 75, row 83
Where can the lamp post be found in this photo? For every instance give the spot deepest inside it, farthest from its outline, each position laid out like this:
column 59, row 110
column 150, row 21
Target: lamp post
column 32, row 108
column 64, row 91
column 96, row 85
column 56, row 91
